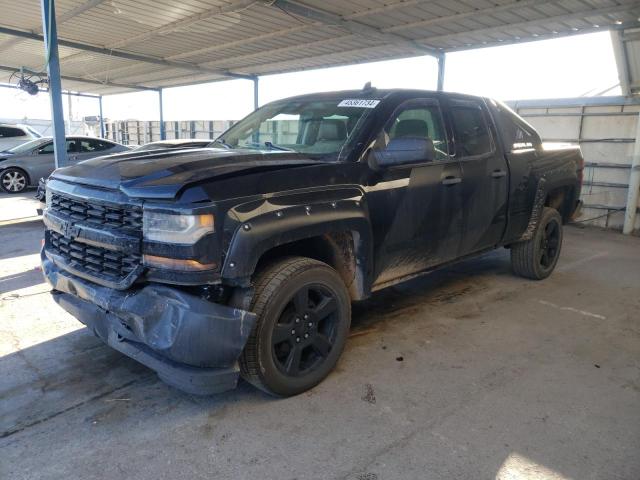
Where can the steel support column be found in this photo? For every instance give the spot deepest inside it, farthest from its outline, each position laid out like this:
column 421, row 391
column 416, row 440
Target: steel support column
column 634, row 186
column 163, row 133
column 55, row 86
column 101, row 117
column 441, row 65
column 256, row 92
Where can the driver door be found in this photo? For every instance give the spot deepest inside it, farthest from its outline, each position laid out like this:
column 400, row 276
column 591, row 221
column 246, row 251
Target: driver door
column 415, row 209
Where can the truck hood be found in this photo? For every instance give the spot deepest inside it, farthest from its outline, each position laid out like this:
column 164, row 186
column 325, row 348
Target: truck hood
column 163, row 173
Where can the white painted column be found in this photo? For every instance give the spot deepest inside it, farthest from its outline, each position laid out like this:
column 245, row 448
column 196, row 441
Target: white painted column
column 634, row 186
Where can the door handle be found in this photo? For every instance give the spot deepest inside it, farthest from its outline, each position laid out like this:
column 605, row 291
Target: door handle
column 451, row 180
column 498, row 173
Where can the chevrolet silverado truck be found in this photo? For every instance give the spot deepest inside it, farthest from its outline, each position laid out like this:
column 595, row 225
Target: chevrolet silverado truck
column 243, row 258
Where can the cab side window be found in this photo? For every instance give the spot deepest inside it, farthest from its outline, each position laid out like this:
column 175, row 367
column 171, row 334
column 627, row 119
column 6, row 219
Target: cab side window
column 90, row 145
column 516, row 133
column 419, row 121
column 471, row 131
column 48, row 148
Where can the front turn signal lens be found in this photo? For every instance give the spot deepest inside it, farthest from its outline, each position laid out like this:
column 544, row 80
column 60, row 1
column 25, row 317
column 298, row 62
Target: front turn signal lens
column 176, row 264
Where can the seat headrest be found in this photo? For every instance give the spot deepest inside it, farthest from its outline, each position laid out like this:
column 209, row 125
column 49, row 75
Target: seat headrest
column 332, row 130
column 412, row 128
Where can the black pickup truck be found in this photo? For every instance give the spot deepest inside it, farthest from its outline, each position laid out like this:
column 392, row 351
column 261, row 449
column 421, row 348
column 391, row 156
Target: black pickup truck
column 243, row 258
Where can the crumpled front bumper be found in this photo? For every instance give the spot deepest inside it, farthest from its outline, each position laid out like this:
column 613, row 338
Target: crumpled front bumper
column 192, row 344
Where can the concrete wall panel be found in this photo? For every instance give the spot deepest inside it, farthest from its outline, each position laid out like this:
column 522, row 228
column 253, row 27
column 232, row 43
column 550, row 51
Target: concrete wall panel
column 556, row 128
column 617, row 126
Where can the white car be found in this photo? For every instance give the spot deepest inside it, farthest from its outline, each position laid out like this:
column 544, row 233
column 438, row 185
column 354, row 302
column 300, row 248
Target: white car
column 12, row 135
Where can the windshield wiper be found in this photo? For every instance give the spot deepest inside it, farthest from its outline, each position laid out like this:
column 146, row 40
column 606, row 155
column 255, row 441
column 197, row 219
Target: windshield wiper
column 277, row 147
column 223, row 143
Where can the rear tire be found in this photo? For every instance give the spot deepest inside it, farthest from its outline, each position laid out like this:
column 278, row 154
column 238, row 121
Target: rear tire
column 304, row 315
column 537, row 257
column 14, row 180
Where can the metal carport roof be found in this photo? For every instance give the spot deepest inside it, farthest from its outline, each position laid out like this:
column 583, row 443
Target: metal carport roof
column 626, row 47
column 115, row 46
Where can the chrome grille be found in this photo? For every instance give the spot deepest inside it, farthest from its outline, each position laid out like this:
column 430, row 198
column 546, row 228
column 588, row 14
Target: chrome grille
column 117, row 217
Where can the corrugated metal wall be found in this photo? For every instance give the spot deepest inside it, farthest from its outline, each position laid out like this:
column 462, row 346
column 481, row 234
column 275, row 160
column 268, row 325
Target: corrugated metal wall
column 606, row 134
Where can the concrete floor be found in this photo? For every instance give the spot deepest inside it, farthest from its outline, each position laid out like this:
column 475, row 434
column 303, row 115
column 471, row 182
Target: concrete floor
column 468, row 373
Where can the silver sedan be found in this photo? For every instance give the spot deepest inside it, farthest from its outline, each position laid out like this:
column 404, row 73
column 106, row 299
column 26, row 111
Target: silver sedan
column 24, row 165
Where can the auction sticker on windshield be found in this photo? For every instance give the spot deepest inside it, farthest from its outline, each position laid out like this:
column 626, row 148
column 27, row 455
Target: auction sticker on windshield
column 360, row 103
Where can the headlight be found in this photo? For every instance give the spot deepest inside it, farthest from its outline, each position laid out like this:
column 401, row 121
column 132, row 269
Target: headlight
column 168, row 228
column 47, row 197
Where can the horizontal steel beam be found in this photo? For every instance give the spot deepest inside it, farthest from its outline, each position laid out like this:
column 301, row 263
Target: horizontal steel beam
column 589, row 140
column 579, row 114
column 46, row 90
column 123, row 54
column 590, row 183
column 598, row 206
column 574, row 102
column 607, row 165
column 85, row 80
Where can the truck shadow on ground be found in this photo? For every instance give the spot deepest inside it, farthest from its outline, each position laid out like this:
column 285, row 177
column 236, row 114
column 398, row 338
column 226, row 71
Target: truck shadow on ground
column 447, row 285
column 54, row 377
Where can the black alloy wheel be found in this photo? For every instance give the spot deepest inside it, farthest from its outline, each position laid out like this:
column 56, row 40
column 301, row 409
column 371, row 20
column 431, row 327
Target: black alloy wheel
column 303, row 316
column 537, row 257
column 306, row 331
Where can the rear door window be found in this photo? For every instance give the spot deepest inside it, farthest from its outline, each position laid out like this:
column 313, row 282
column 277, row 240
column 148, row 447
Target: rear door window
column 472, row 135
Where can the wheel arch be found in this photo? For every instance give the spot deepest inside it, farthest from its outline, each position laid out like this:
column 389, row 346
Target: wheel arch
column 560, row 198
column 337, row 233
column 557, row 195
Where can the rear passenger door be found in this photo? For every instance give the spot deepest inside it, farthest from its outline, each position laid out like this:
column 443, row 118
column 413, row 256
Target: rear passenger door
column 485, row 175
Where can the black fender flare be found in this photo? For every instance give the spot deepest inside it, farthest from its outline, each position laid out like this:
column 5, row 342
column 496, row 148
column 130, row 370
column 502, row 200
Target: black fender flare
column 545, row 186
column 268, row 224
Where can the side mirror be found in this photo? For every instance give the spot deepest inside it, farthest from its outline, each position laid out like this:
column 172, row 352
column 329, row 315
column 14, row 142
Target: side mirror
column 403, row 151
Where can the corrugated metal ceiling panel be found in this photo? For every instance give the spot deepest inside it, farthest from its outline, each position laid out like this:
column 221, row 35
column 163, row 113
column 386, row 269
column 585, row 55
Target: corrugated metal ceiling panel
column 211, row 37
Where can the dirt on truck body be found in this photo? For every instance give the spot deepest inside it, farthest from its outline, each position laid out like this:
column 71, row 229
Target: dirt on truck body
column 243, row 258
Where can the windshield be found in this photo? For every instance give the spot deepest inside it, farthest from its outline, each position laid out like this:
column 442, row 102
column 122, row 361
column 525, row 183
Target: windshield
column 27, row 147
column 318, row 128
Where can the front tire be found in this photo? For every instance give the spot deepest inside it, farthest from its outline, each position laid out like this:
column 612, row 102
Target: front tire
column 304, row 315
column 13, row 180
column 537, row 257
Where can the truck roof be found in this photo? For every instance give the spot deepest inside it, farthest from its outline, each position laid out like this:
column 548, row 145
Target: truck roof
column 375, row 93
